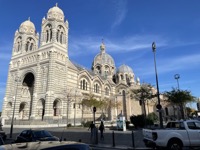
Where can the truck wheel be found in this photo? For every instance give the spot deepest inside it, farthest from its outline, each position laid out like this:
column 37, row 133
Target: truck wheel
column 174, row 145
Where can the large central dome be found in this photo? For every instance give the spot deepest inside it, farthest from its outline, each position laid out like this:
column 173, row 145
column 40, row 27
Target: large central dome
column 103, row 58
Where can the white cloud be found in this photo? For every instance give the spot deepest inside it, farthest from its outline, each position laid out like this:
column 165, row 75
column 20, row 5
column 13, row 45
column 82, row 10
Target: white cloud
column 90, row 44
column 120, row 12
column 184, row 62
column 179, row 63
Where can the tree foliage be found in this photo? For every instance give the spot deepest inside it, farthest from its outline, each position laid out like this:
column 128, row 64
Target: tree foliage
column 91, row 101
column 179, row 98
column 143, row 93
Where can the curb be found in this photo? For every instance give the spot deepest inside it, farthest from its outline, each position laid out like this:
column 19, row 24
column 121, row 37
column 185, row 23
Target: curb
column 119, row 147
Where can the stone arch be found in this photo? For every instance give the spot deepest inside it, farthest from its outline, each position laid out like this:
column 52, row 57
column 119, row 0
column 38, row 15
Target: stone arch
column 28, row 82
column 41, row 108
column 57, row 107
column 9, row 109
column 23, row 110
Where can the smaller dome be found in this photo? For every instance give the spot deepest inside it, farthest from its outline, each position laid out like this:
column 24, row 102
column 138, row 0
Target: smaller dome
column 124, row 69
column 27, row 27
column 55, row 13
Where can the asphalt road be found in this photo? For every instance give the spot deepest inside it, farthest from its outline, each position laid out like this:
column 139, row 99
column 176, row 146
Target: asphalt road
column 112, row 139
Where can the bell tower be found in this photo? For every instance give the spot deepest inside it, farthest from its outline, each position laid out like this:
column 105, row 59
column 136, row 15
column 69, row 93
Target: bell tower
column 26, row 39
column 55, row 30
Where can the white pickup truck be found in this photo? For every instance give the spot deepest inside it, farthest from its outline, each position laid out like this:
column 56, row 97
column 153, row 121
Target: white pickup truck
column 176, row 135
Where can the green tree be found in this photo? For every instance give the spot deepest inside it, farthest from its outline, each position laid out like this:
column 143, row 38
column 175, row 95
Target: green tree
column 143, row 94
column 179, row 98
column 91, row 102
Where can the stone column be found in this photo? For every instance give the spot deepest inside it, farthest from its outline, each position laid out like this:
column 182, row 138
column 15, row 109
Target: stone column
column 36, row 88
column 50, row 86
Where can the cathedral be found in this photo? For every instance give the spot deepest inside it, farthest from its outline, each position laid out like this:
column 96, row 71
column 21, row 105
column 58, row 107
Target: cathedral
column 45, row 87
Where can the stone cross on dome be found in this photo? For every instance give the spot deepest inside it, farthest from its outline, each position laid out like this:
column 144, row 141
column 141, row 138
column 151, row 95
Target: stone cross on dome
column 102, row 41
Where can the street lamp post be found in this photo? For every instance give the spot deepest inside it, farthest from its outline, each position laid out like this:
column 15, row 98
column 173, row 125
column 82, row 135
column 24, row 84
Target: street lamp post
column 158, row 94
column 177, row 76
column 11, row 128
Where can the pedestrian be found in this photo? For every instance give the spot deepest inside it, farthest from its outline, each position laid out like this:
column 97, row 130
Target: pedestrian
column 91, row 127
column 101, row 128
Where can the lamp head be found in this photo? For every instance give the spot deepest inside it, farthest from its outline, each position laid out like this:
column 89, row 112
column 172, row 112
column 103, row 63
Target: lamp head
column 154, row 46
column 176, row 76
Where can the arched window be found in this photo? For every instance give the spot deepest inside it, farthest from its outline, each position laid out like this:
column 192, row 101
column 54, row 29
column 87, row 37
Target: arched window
column 56, row 108
column 60, row 34
column 98, row 69
column 27, row 46
column 48, row 33
column 18, row 45
column 57, row 35
column 96, row 88
column 83, row 84
column 61, row 37
column 122, row 77
column 31, row 47
column 127, row 80
column 47, row 36
column 107, row 91
column 30, row 42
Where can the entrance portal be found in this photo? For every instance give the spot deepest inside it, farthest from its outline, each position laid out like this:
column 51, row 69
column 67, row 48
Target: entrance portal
column 29, row 83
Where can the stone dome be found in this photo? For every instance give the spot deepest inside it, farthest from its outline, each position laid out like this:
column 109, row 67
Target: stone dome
column 124, row 69
column 55, row 13
column 27, row 27
column 104, row 58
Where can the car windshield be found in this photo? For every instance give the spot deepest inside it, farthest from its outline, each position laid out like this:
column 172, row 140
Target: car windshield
column 41, row 134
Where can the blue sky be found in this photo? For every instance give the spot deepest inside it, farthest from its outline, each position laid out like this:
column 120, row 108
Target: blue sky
column 128, row 28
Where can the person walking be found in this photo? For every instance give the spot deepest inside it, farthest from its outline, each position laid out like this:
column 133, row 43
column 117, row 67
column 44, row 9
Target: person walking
column 101, row 128
column 91, row 127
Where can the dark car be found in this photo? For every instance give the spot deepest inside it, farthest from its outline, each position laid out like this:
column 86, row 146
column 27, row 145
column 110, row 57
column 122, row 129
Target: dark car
column 35, row 135
column 3, row 135
column 47, row 145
